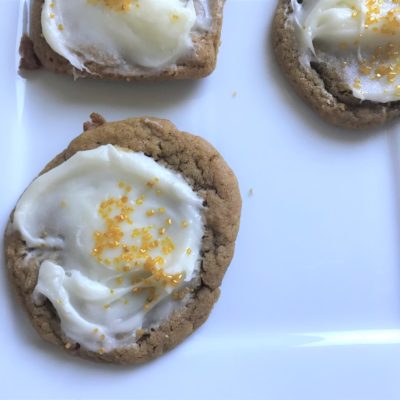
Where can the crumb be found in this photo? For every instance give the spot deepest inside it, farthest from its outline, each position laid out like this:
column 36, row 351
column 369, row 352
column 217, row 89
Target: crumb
column 140, row 332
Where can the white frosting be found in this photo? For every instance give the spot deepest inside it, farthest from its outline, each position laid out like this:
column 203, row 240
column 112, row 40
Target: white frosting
column 348, row 34
column 103, row 294
column 150, row 33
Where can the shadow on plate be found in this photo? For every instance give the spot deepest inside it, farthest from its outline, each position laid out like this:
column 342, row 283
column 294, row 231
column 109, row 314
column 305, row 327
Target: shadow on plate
column 109, row 94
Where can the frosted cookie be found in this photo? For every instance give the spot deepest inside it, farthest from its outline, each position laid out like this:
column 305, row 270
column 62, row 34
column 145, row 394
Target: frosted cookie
column 117, row 250
column 124, row 39
column 342, row 57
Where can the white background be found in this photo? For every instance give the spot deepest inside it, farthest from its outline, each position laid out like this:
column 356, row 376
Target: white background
column 310, row 307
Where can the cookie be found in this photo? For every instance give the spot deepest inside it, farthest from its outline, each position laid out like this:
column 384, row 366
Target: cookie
column 143, row 48
column 118, row 249
column 344, row 69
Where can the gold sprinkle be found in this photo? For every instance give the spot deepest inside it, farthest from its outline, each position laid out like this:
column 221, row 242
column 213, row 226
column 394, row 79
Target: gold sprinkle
column 139, row 201
column 184, row 224
column 119, row 280
column 102, row 350
column 95, row 330
column 106, row 306
column 150, row 213
column 176, row 279
column 60, row 27
column 357, row 83
column 67, row 345
column 168, row 221
column 152, row 183
column 188, row 251
column 159, row 261
column 167, row 245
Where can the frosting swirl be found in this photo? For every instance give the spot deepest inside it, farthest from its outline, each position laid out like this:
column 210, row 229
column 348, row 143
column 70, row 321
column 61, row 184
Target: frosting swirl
column 119, row 234
column 120, row 34
column 359, row 38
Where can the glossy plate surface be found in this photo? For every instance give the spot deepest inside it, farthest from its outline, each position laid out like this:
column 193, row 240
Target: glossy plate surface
column 310, row 307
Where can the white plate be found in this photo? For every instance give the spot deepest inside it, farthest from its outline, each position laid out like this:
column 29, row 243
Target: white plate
column 310, row 307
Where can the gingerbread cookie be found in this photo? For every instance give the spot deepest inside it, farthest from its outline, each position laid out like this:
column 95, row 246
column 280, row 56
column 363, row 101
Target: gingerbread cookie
column 124, row 39
column 117, row 250
column 342, row 57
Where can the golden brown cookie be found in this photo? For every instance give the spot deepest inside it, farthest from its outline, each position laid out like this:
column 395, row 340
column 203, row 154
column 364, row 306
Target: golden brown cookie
column 35, row 52
column 208, row 175
column 320, row 85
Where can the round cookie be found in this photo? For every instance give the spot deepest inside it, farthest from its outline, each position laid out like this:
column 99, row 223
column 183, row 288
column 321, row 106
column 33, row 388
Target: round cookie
column 206, row 172
column 320, row 85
